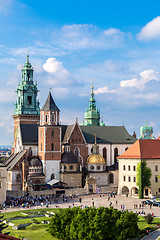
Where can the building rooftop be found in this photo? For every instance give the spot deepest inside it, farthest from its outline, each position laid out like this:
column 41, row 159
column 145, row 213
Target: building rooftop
column 143, row 149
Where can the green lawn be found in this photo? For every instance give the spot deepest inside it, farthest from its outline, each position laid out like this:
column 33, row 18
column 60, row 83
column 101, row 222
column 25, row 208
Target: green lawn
column 35, row 232
column 32, row 232
column 142, row 223
column 38, row 231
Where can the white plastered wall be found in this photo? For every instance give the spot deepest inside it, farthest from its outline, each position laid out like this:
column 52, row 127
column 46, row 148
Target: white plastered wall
column 51, row 166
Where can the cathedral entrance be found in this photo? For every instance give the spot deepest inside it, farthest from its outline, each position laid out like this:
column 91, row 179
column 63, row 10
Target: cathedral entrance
column 91, row 185
column 90, row 188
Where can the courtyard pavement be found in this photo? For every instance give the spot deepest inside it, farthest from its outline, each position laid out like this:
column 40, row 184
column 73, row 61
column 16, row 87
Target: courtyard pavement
column 128, row 203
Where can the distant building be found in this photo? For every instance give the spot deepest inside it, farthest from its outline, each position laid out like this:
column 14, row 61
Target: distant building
column 142, row 149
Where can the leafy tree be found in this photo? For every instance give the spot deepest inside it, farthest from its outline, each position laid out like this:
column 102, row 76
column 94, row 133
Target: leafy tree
column 94, row 224
column 127, row 226
column 143, row 177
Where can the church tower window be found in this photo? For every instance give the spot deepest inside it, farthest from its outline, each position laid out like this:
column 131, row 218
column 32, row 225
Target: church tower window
column 104, row 153
column 29, row 100
column 76, row 152
column 53, row 117
column 46, row 118
column 52, row 147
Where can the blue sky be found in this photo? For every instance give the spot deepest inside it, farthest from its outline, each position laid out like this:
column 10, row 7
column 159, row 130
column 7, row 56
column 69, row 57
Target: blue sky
column 70, row 43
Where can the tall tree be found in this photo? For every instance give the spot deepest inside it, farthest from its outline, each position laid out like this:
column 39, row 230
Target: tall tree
column 143, row 177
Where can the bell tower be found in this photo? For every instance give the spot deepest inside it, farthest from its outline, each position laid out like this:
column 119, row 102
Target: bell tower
column 49, row 139
column 92, row 115
column 26, row 110
column 27, row 103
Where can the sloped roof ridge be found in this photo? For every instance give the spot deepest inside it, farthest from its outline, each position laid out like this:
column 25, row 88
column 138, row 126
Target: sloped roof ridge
column 50, row 104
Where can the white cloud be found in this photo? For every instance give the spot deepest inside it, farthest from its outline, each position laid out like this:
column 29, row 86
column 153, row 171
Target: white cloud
column 53, row 66
column 103, row 90
column 140, row 81
column 112, row 32
column 57, row 73
column 150, row 31
column 87, row 36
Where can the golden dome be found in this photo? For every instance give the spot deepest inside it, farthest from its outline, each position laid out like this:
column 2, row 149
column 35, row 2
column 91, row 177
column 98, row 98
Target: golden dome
column 95, row 158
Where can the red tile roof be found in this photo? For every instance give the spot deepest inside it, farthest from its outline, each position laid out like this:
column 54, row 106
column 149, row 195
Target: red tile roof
column 143, row 148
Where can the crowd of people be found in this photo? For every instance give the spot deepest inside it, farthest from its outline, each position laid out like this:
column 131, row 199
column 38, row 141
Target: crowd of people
column 109, row 199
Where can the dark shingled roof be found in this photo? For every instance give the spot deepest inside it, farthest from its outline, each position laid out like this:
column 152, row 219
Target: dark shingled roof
column 50, row 104
column 107, row 134
column 67, row 133
column 29, row 134
column 69, row 157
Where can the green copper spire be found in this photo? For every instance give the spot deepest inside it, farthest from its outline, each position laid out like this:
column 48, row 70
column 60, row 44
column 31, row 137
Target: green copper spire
column 27, row 103
column 92, row 115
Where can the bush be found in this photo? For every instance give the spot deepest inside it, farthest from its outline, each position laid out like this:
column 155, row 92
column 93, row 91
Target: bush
column 94, row 224
column 149, row 218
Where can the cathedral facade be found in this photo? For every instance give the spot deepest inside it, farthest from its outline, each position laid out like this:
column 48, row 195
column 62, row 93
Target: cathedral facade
column 44, row 149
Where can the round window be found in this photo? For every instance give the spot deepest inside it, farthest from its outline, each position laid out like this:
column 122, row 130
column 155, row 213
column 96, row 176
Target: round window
column 92, row 167
column 98, row 167
column 71, row 167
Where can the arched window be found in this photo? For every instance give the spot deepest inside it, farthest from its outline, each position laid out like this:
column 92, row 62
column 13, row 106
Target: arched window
column 52, row 133
column 46, row 118
column 105, row 153
column 115, row 154
column 111, row 177
column 52, row 117
column 76, row 152
column 91, row 150
column 30, row 151
column 52, row 147
column 52, row 176
column 18, row 178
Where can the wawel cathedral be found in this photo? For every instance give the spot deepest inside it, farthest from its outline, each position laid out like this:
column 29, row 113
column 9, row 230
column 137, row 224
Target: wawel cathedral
column 46, row 152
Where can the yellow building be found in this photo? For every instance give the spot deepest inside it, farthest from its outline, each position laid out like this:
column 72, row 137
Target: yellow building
column 142, row 149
